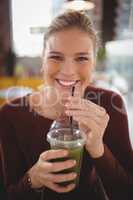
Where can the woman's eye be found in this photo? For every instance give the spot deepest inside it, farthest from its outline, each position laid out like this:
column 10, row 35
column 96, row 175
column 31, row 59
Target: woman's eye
column 57, row 58
column 81, row 59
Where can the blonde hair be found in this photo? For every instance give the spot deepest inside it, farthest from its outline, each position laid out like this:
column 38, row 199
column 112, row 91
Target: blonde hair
column 72, row 19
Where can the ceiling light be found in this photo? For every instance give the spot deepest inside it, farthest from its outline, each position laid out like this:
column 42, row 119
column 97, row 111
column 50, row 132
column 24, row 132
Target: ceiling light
column 78, row 5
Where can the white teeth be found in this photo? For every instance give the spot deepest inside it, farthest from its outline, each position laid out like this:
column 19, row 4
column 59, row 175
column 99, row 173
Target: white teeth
column 66, row 83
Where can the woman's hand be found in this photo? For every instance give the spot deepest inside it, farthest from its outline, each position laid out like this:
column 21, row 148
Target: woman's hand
column 42, row 173
column 92, row 119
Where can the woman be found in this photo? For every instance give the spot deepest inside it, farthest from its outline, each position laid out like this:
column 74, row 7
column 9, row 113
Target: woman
column 26, row 171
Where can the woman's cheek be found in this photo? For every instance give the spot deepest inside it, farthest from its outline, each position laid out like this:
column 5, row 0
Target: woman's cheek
column 85, row 74
column 53, row 67
column 50, row 71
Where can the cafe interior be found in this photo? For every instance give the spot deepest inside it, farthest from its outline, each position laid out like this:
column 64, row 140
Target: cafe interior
column 22, row 27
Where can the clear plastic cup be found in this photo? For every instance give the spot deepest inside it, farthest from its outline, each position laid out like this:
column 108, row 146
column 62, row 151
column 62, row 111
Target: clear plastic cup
column 62, row 138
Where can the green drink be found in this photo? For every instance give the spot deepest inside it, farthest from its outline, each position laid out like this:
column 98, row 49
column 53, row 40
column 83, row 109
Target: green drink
column 63, row 139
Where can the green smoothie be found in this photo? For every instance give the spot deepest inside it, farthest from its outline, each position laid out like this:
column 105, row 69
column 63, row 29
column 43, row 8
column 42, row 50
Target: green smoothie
column 75, row 154
column 62, row 139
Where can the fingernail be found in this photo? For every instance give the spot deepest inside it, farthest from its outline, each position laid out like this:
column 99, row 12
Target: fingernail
column 65, row 153
column 73, row 185
column 74, row 162
column 74, row 175
column 67, row 112
column 69, row 97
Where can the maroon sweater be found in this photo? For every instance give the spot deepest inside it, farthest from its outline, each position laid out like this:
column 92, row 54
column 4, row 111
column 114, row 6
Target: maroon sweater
column 23, row 139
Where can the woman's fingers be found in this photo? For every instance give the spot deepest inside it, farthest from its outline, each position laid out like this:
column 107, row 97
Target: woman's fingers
column 94, row 124
column 58, row 178
column 61, row 189
column 85, row 105
column 77, row 113
column 80, row 101
column 90, row 118
column 53, row 154
column 82, row 108
column 59, row 166
column 54, row 166
column 48, row 178
column 42, row 172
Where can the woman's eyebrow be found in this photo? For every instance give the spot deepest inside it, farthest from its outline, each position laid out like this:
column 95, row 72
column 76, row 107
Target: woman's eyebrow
column 83, row 54
column 77, row 54
column 55, row 52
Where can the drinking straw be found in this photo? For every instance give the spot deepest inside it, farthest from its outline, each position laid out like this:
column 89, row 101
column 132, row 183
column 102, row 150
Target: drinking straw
column 71, row 118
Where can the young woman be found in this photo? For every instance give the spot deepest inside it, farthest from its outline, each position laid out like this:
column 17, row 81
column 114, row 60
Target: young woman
column 25, row 169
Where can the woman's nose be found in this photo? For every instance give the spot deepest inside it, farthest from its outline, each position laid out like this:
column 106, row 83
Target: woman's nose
column 68, row 68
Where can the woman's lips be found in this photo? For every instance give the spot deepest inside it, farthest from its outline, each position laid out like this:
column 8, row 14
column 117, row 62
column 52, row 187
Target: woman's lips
column 67, row 83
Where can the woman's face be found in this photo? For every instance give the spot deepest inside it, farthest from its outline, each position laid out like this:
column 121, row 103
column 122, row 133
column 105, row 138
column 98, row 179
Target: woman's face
column 68, row 60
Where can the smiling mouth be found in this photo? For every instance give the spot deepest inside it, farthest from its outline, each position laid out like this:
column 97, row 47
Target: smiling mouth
column 66, row 83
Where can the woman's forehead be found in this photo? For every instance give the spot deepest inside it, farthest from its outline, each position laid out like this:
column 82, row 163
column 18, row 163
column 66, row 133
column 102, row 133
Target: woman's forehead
column 69, row 40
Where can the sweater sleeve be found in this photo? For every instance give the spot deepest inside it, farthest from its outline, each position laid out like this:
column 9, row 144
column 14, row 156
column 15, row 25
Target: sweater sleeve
column 13, row 176
column 115, row 167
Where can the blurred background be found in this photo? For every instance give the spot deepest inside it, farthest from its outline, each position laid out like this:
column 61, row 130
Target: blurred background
column 22, row 27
